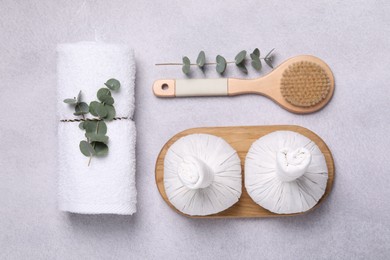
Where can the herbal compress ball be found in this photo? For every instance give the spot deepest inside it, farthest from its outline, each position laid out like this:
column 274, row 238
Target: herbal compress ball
column 285, row 172
column 202, row 175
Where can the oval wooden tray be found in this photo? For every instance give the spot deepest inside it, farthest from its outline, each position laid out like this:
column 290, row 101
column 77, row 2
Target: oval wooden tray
column 241, row 138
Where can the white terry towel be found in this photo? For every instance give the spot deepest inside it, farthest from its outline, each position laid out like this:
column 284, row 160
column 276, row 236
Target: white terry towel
column 108, row 184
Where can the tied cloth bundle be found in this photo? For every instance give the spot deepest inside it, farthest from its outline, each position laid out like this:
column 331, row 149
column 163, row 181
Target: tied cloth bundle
column 107, row 186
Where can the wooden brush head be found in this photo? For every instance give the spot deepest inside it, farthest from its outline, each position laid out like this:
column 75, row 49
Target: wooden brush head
column 305, row 84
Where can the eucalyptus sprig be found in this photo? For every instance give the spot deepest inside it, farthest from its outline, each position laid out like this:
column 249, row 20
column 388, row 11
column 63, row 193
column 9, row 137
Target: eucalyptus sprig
column 95, row 128
column 221, row 63
column 81, row 108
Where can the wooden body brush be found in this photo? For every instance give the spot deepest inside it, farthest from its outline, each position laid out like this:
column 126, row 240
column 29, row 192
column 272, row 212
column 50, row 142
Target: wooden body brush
column 303, row 84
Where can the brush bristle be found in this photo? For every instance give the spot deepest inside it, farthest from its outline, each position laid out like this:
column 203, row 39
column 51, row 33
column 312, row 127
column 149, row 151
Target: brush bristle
column 305, row 84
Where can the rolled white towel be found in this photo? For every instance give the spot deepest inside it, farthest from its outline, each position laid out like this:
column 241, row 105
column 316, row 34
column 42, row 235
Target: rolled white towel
column 108, row 184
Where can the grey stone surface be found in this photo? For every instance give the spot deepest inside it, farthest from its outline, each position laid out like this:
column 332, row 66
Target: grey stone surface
column 351, row 36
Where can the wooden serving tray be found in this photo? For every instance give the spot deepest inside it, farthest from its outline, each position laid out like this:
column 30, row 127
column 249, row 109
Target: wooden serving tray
column 241, row 138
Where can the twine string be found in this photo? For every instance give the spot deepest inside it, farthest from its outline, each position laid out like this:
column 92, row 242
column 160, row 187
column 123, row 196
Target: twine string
column 91, row 119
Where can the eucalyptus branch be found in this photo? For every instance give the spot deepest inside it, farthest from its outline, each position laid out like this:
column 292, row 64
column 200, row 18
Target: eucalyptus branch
column 194, row 64
column 95, row 128
column 240, row 61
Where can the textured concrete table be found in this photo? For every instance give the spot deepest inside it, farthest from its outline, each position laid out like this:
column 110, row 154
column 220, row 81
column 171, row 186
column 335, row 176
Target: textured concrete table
column 353, row 37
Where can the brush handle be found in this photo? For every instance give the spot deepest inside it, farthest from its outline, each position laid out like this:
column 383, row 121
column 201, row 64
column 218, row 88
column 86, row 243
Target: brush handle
column 207, row 87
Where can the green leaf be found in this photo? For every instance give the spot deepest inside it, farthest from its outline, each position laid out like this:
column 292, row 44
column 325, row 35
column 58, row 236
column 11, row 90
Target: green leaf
column 81, row 109
column 113, row 84
column 81, row 126
column 102, row 93
column 240, row 57
column 93, row 137
column 254, row 56
column 186, row 69
column 97, row 109
column 92, row 107
column 268, row 58
column 101, row 111
column 107, row 100
column 100, row 148
column 95, row 127
column 221, row 64
column 90, row 126
column 269, row 53
column 242, row 67
column 256, row 52
column 186, row 61
column 256, row 64
column 269, row 62
column 71, row 101
column 79, row 97
column 101, row 128
column 110, row 112
column 86, row 148
column 186, row 65
column 201, row 60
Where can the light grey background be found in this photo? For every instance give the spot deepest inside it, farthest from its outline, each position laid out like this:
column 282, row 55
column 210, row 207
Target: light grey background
column 353, row 37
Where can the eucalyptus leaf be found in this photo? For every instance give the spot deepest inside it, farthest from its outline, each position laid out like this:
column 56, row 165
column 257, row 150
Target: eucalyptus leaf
column 101, row 110
column 92, row 107
column 79, row 97
column 186, row 65
column 256, row 64
column 113, row 84
column 240, row 57
column 100, row 148
column 93, row 137
column 86, row 148
column 256, row 52
column 97, row 127
column 201, row 60
column 101, row 128
column 186, row 61
column 90, row 126
column 254, row 56
column 107, row 100
column 83, row 107
column 269, row 62
column 81, row 126
column 71, row 101
column 102, row 93
column 110, row 112
column 242, row 67
column 221, row 64
column 269, row 54
column 186, row 69
column 97, row 109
